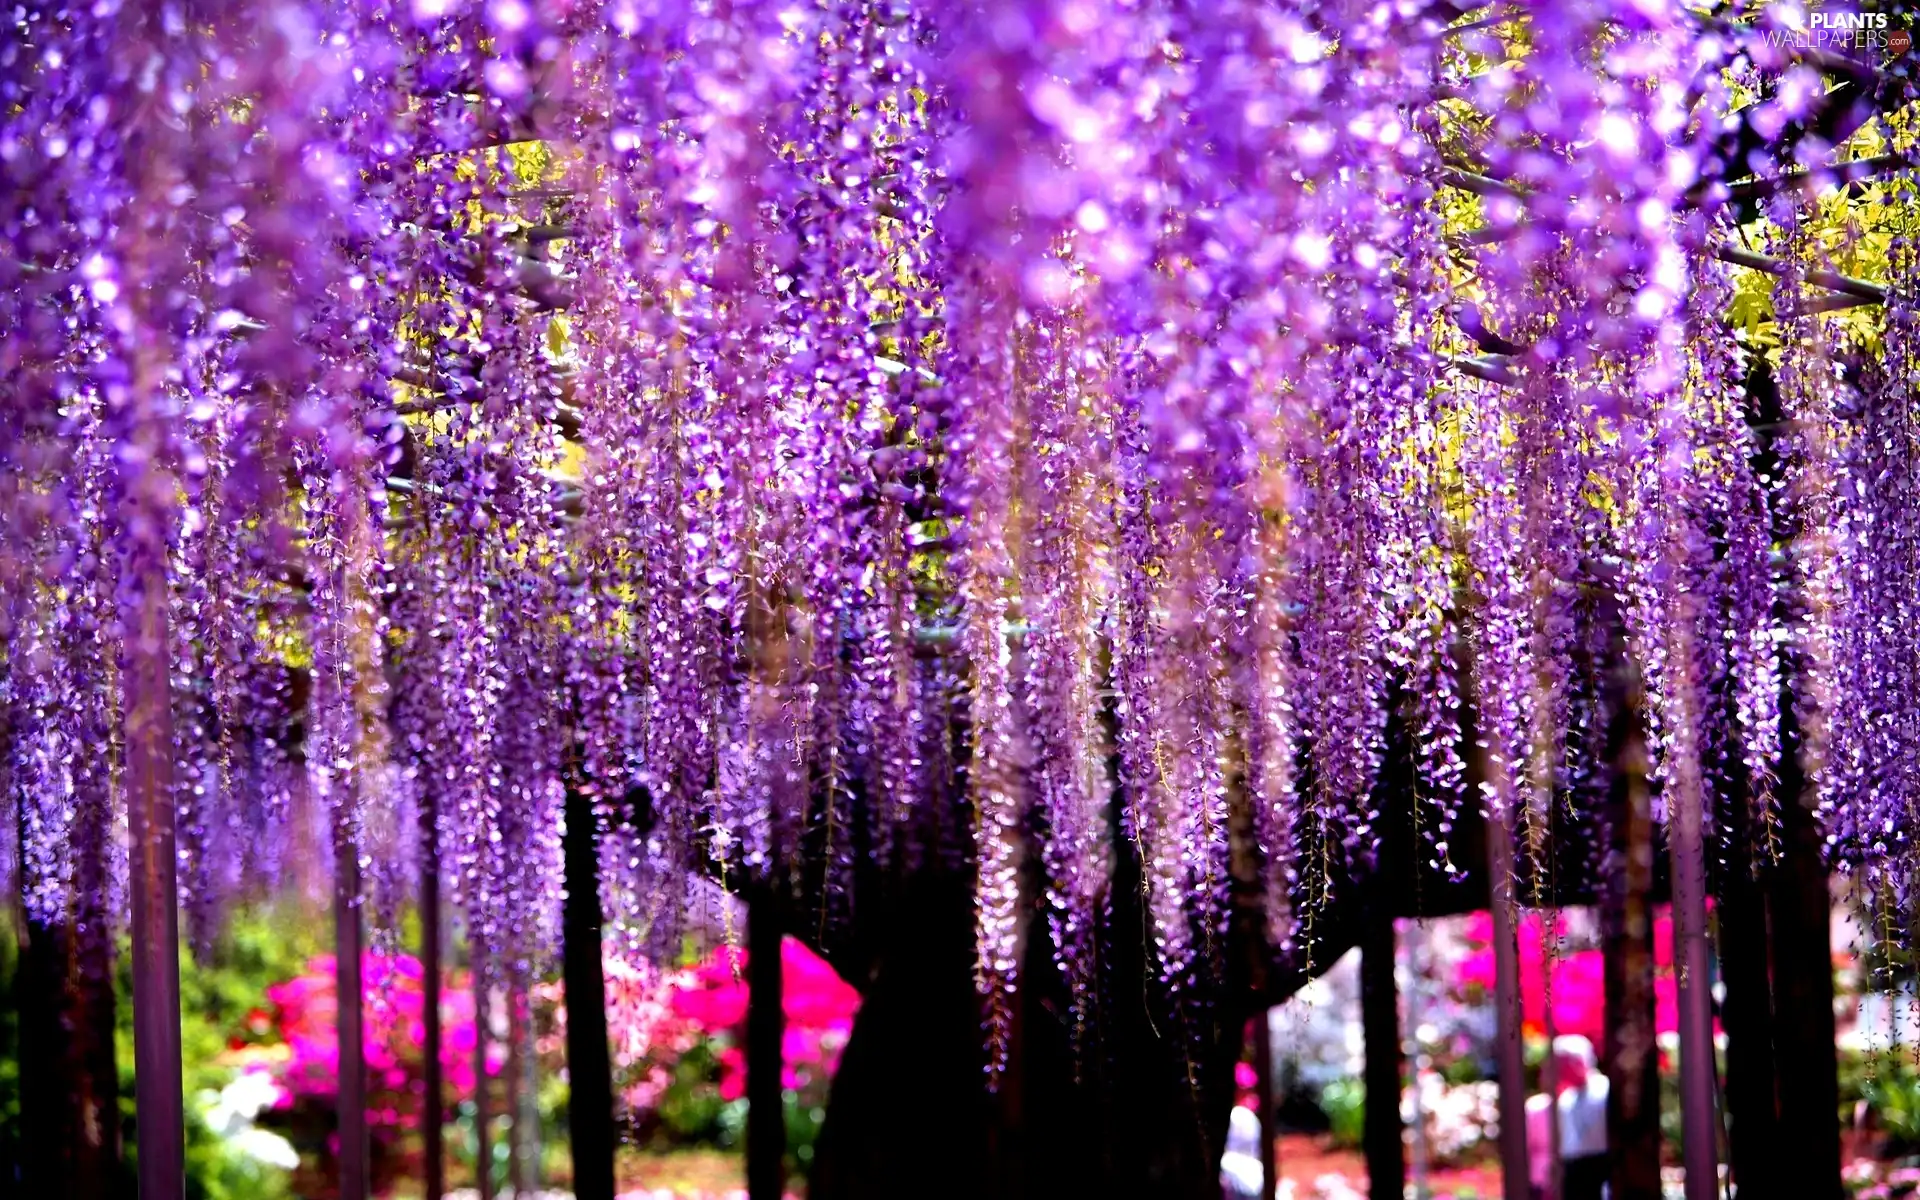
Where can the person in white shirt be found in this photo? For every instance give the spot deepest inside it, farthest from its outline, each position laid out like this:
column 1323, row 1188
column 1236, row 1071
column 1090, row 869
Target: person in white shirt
column 1582, row 1111
column 1240, row 1173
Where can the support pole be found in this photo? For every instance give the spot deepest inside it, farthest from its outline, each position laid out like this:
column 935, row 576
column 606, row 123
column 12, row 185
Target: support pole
column 766, row 1119
column 1515, row 1179
column 1550, row 1068
column 348, row 1015
column 1380, row 1026
column 482, row 1111
column 1263, row 1096
column 432, row 1108
column 1417, row 962
column 589, row 1063
column 1506, row 991
column 1699, row 1124
column 522, row 1106
column 159, row 1101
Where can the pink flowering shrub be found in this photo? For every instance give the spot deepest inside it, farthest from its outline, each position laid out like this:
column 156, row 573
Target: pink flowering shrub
column 818, row 1006
column 304, row 1012
column 677, row 1041
column 1577, row 983
column 679, row 1038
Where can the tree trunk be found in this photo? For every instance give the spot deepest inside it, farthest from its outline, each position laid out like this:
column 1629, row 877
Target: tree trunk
column 433, row 1105
column 69, row 1095
column 766, row 1116
column 1630, row 1056
column 1380, row 1021
column 1753, row 1125
column 69, row 1135
column 1263, row 1096
column 918, row 1013
column 589, row 1062
column 1800, row 907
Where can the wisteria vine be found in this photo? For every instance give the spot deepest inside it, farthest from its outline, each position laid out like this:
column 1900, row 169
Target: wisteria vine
column 769, row 419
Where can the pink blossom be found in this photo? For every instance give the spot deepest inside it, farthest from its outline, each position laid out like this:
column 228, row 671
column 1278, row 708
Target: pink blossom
column 1578, row 977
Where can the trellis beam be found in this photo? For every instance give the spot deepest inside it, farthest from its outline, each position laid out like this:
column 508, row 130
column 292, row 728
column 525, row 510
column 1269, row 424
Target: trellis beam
column 1833, row 281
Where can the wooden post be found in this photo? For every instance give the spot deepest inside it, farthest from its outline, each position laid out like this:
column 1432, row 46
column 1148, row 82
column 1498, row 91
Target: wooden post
column 482, row 1106
column 1380, row 1025
column 1699, row 1124
column 1630, row 1055
column 766, row 1118
column 523, row 1105
column 1506, row 989
column 432, row 1108
column 355, row 1178
column 159, row 1101
column 589, row 1063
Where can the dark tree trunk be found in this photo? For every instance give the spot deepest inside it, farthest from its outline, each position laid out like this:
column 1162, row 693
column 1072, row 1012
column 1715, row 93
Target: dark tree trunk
column 1380, row 1022
column 1141, row 1107
column 1263, row 1096
column 69, row 1135
column 433, row 1106
column 69, row 1090
column 589, row 1061
column 1801, row 907
column 355, row 1178
column 918, row 1014
column 766, row 1117
column 47, row 1125
column 1630, row 1056
column 1130, row 1098
column 1753, row 1127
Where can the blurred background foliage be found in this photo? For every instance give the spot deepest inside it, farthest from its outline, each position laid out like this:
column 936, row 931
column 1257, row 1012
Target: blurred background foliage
column 256, row 1024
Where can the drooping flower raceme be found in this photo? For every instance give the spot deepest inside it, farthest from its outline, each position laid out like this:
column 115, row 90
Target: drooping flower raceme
column 849, row 436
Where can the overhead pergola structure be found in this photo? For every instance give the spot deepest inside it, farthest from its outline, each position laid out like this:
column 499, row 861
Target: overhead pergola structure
column 894, row 950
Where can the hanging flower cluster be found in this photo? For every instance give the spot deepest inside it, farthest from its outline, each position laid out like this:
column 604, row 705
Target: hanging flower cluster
column 793, row 424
